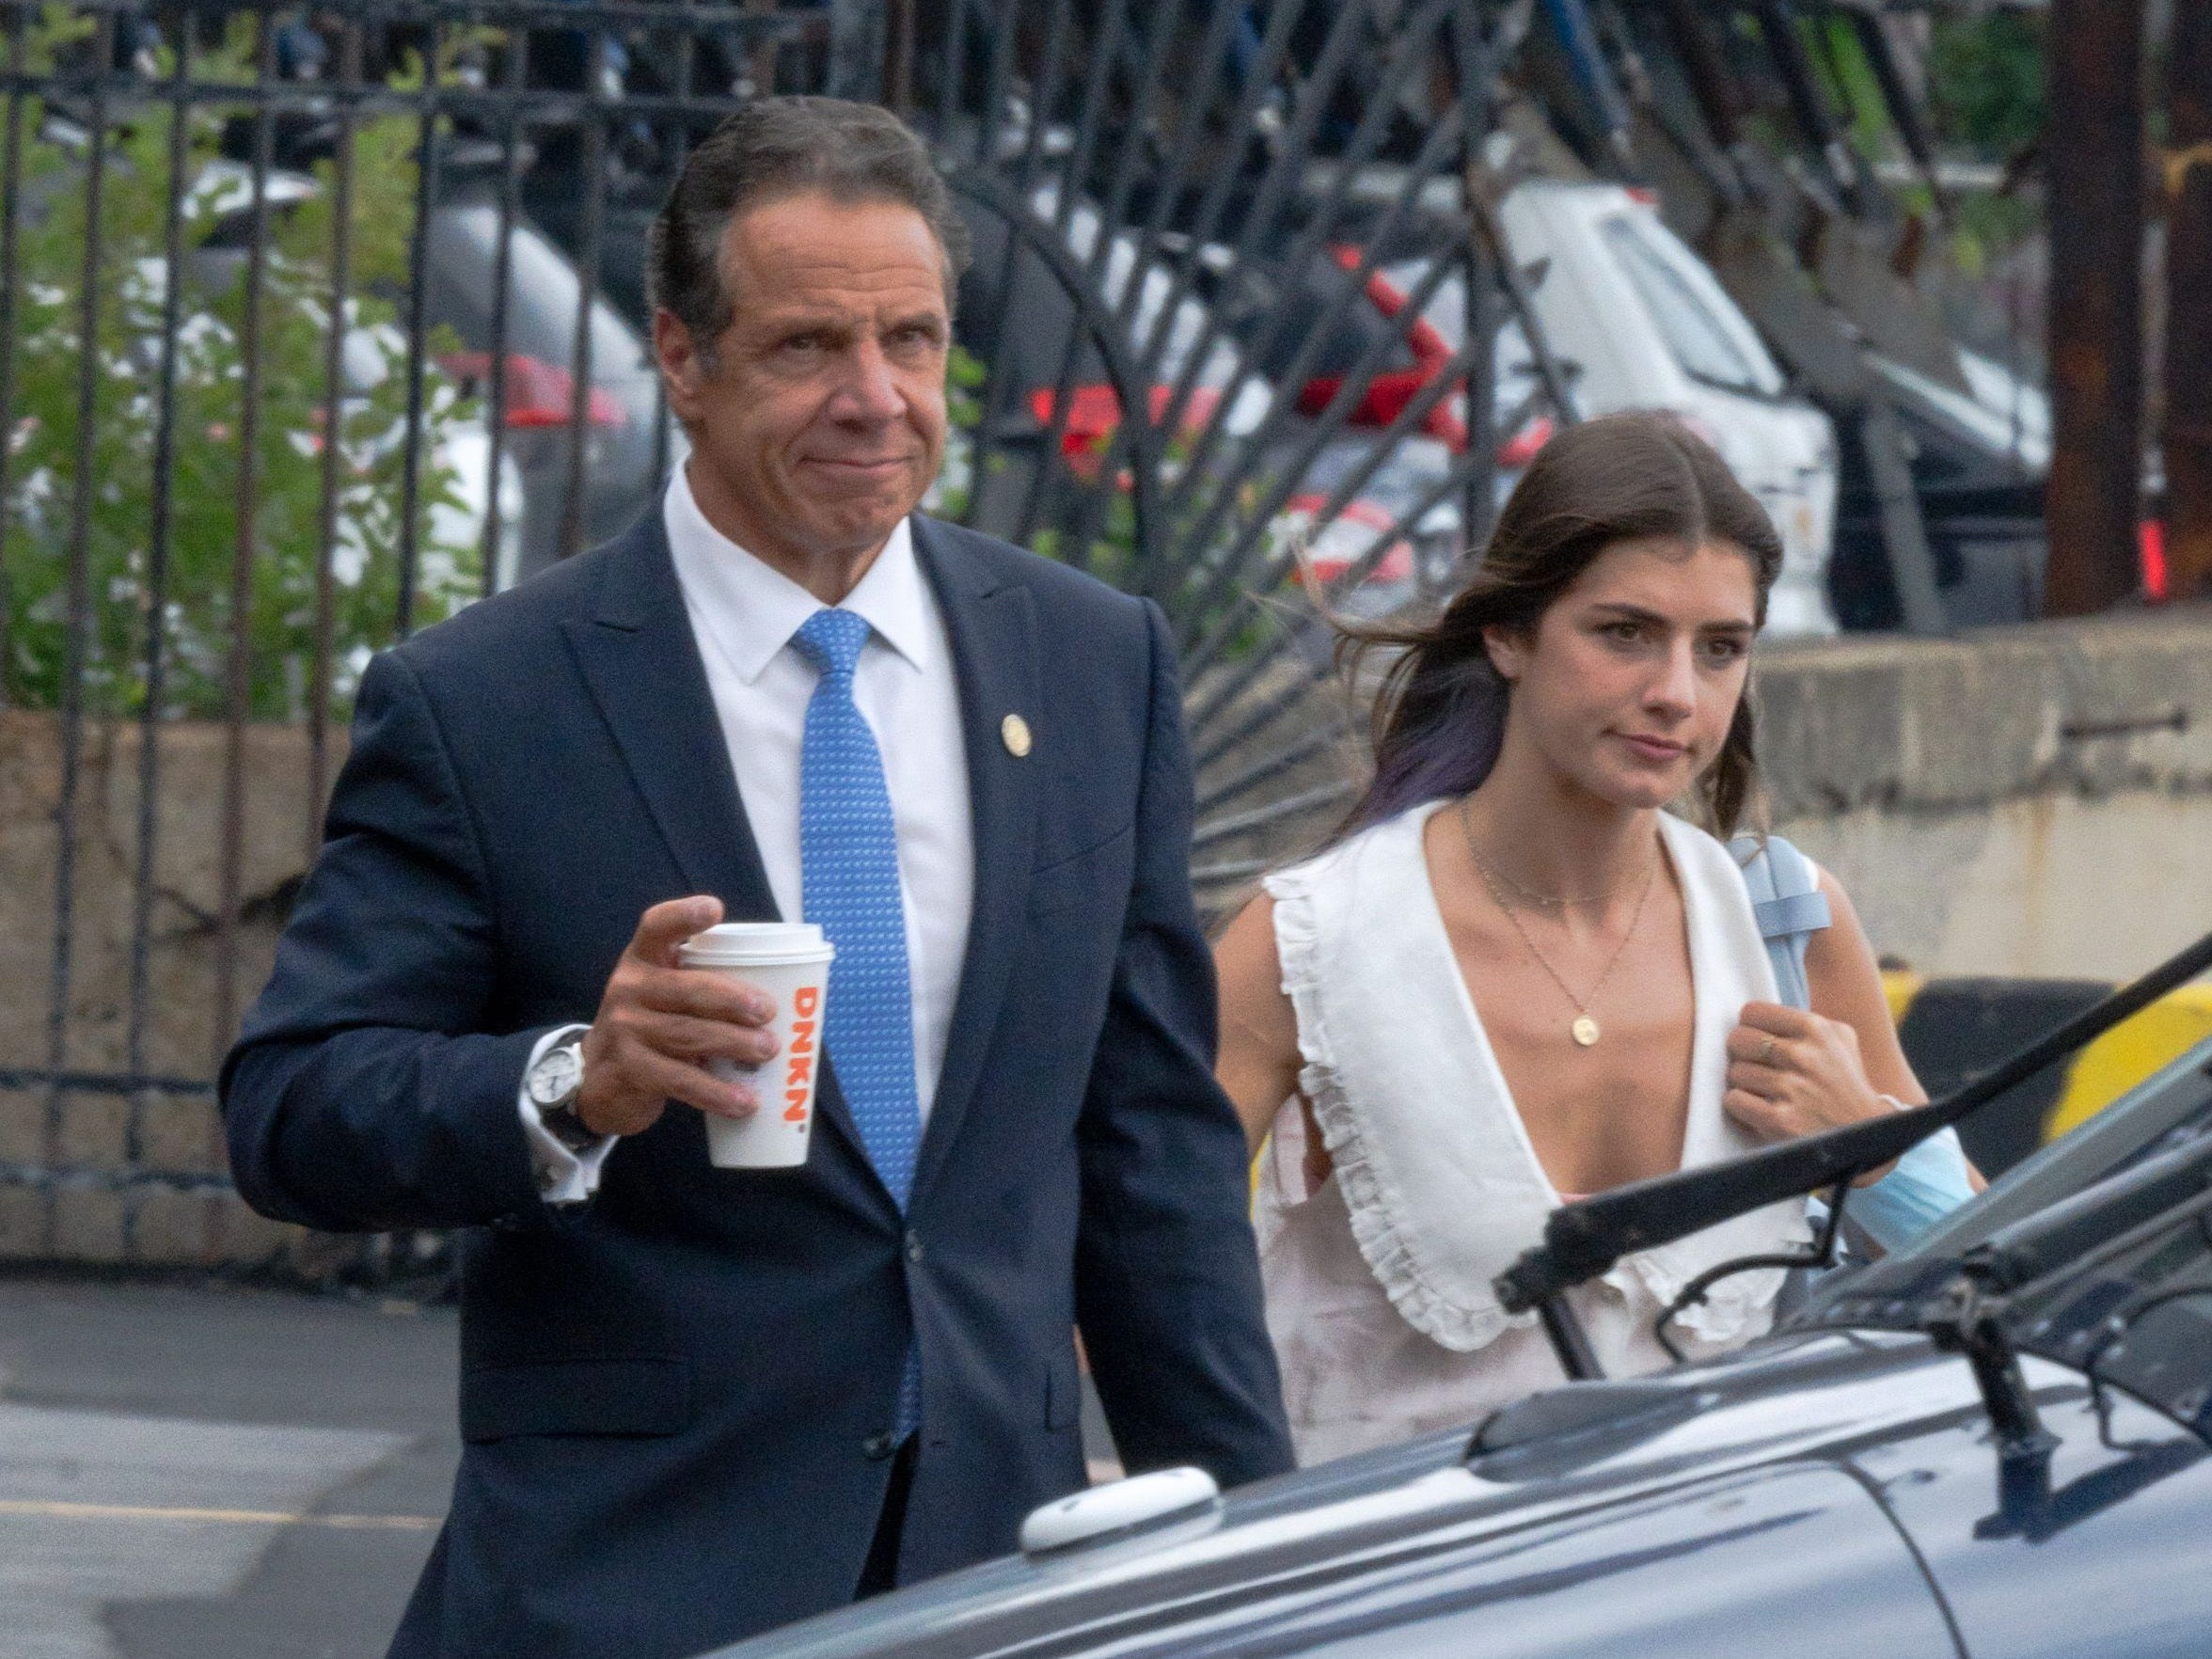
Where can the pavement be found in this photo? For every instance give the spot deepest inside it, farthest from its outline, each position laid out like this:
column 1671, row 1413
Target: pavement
column 197, row 1471
column 213, row 1471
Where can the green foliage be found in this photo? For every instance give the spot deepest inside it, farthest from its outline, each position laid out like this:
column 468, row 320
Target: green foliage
column 1988, row 224
column 1840, row 59
column 1112, row 555
column 1986, row 87
column 112, row 605
column 965, row 375
column 1987, row 97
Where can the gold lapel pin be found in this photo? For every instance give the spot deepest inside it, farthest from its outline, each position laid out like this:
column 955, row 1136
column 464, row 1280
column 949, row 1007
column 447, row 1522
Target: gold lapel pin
column 1014, row 733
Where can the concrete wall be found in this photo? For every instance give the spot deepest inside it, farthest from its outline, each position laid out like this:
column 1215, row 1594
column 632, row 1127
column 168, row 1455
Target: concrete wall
column 2030, row 801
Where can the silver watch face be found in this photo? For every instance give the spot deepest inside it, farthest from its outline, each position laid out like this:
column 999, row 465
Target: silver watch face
column 554, row 1078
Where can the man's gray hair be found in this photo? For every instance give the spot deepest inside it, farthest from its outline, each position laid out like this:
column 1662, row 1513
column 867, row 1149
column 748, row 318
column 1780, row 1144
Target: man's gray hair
column 776, row 148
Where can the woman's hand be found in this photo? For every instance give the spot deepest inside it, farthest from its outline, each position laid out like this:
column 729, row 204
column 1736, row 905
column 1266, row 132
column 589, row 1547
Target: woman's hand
column 1793, row 1073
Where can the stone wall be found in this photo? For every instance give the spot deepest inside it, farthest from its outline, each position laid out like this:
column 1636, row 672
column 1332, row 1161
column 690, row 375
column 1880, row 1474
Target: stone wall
column 63, row 1151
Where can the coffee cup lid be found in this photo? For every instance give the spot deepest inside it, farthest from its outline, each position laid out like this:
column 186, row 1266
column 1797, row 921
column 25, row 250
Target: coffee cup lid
column 736, row 943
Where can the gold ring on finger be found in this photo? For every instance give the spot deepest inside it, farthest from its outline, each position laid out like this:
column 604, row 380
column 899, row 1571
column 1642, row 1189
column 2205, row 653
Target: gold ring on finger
column 1766, row 1052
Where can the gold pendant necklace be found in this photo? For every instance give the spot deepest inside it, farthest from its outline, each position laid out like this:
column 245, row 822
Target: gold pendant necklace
column 1582, row 1028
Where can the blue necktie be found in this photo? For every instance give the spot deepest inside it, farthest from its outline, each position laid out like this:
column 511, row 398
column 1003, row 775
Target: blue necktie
column 849, row 882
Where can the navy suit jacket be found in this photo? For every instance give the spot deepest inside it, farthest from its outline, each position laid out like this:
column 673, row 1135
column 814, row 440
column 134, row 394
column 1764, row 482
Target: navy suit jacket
column 673, row 1400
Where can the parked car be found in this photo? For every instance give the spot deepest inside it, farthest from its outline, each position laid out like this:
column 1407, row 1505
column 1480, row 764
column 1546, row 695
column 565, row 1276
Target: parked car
column 1648, row 327
column 629, row 435
column 1851, row 1483
column 1408, row 500
column 1634, row 321
column 464, row 451
column 1234, row 331
column 1406, row 478
column 1980, row 461
column 1018, row 315
column 622, row 456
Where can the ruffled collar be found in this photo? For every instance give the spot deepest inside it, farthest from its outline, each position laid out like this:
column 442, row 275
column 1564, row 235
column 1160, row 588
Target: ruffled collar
column 1442, row 1183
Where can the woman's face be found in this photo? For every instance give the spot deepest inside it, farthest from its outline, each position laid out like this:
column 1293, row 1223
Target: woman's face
column 1628, row 684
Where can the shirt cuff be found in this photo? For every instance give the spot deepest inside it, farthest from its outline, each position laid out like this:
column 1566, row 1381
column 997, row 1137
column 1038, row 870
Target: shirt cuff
column 562, row 1177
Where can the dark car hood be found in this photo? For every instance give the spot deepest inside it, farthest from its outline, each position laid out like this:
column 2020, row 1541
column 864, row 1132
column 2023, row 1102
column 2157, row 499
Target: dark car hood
column 1820, row 1491
column 1746, row 1459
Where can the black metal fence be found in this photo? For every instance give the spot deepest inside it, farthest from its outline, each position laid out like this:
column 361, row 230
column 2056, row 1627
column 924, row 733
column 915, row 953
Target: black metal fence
column 317, row 326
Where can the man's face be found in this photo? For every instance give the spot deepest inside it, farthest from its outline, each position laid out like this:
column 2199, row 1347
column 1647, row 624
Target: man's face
column 818, row 418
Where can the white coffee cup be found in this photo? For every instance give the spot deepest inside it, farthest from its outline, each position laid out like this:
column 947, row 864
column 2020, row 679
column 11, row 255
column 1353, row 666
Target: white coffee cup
column 790, row 962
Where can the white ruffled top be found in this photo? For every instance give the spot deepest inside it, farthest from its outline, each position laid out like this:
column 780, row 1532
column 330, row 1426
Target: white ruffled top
column 1379, row 1292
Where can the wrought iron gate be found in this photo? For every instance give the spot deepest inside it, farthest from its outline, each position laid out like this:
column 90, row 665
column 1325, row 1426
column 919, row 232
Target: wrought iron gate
column 314, row 327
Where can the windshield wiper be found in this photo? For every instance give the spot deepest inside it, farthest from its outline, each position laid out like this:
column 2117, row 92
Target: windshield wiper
column 1584, row 1241
column 2023, row 1264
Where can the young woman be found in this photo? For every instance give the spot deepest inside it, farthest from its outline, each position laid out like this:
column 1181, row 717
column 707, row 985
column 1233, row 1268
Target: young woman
column 1513, row 977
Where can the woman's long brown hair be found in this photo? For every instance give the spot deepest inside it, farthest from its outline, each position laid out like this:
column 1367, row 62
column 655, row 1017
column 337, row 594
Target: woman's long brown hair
column 1441, row 713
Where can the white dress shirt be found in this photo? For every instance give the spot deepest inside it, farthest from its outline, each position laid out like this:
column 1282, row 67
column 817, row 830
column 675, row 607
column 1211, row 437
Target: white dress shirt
column 743, row 616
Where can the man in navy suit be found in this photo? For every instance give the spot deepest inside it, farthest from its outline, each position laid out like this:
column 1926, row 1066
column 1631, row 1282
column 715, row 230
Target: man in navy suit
column 698, row 1402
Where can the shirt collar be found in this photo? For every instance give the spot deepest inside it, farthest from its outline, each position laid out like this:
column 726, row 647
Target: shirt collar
column 751, row 610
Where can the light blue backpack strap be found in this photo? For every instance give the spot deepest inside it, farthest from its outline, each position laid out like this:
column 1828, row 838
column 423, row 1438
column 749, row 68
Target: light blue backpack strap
column 1788, row 904
column 1930, row 1181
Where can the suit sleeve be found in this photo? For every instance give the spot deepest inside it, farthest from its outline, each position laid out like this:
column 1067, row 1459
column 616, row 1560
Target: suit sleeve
column 1167, row 1278
column 362, row 1093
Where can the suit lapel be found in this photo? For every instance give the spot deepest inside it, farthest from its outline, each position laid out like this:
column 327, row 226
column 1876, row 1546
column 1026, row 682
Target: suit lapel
column 993, row 632
column 638, row 655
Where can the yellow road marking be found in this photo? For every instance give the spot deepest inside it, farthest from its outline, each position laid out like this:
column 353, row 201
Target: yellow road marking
column 53, row 1509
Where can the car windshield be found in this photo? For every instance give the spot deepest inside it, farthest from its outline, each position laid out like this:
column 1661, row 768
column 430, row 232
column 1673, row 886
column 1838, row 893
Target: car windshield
column 2169, row 1110
column 2136, row 1304
column 1686, row 305
column 2138, row 1316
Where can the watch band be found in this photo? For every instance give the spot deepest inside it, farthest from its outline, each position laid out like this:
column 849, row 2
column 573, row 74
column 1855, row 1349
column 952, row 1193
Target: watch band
column 565, row 1124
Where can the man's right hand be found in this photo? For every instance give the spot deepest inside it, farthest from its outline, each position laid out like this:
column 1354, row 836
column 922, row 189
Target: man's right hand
column 660, row 1023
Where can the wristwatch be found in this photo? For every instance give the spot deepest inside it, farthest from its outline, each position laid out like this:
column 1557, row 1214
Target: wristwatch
column 553, row 1084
